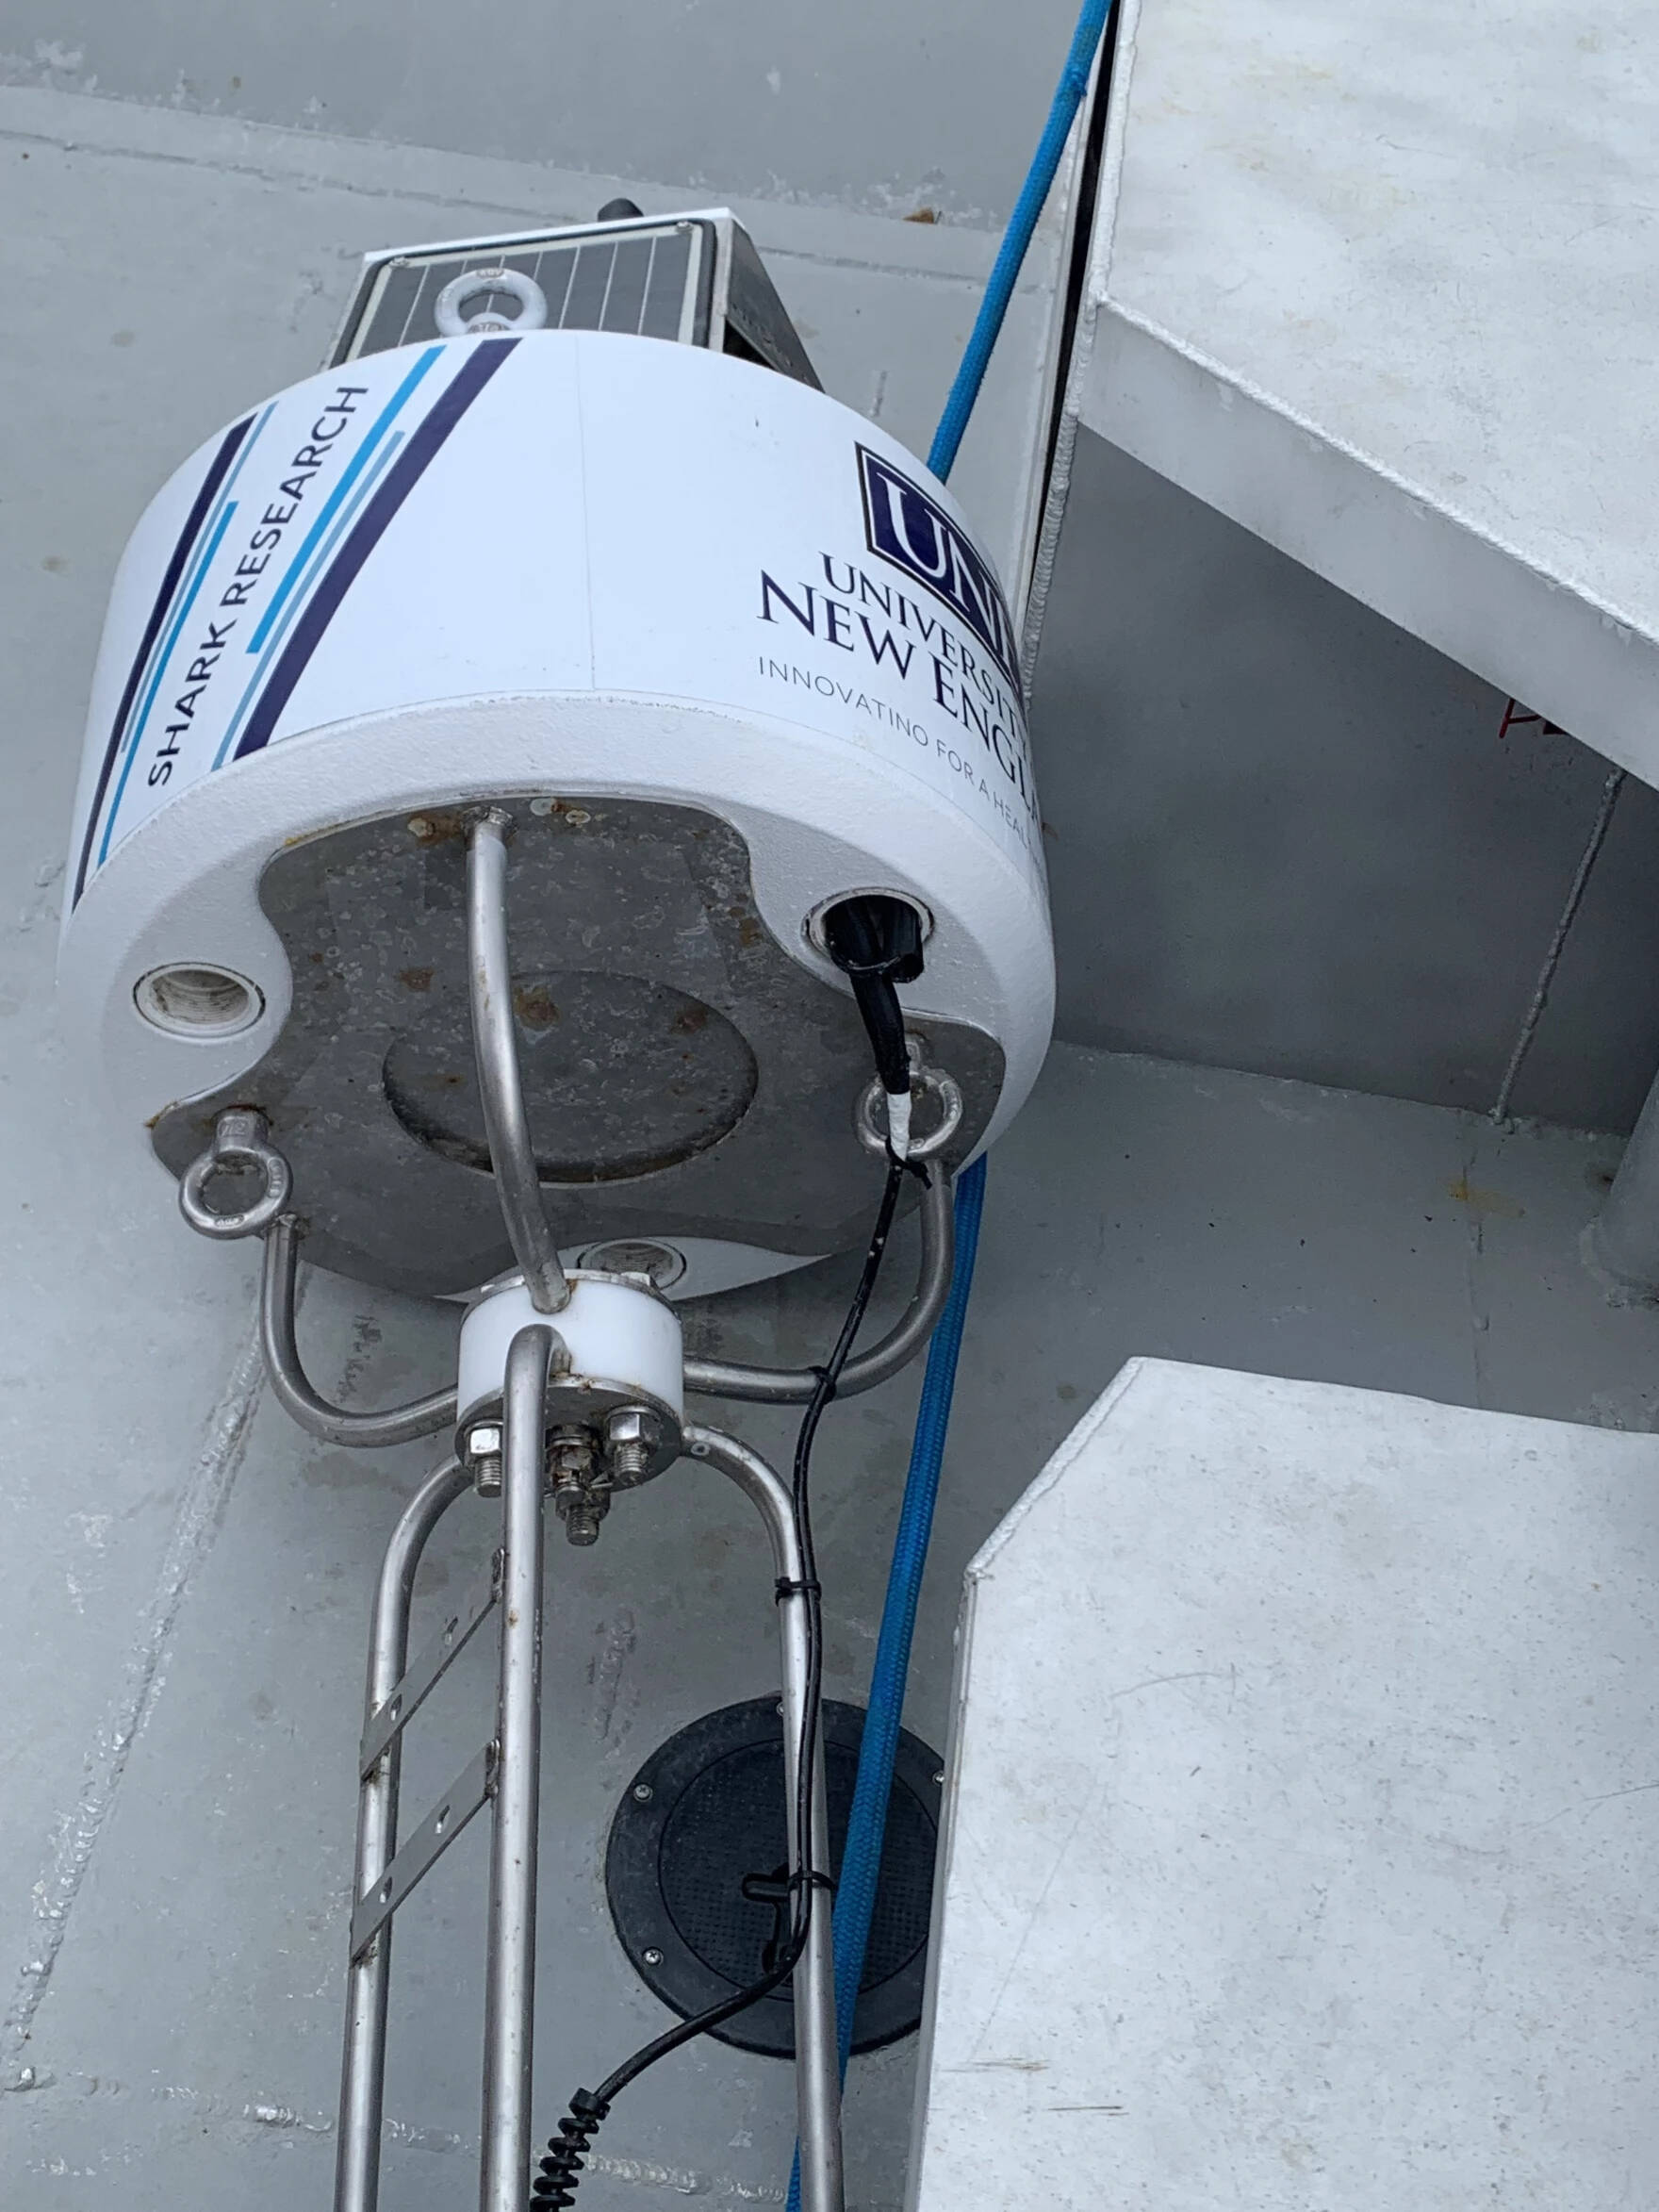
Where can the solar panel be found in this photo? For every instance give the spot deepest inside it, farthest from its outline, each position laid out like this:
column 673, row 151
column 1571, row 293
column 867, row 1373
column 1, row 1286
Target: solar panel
column 647, row 282
column 692, row 279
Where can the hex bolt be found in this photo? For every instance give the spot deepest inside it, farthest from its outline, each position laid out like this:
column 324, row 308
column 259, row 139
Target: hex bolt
column 632, row 1435
column 480, row 1449
column 582, row 1515
column 582, row 1492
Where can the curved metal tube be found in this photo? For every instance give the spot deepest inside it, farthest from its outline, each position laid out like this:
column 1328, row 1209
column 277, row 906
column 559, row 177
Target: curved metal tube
column 362, row 2082
column 792, row 1386
column 817, row 2059
column 489, row 972
column 288, row 1383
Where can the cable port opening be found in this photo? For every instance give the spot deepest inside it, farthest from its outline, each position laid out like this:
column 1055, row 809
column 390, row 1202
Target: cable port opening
column 195, row 1000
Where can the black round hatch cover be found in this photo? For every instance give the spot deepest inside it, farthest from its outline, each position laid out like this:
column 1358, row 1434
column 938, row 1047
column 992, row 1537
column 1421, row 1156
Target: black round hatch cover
column 696, row 1856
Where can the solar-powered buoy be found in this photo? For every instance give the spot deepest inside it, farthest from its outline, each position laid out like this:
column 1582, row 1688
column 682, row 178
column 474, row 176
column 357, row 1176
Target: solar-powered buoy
column 556, row 828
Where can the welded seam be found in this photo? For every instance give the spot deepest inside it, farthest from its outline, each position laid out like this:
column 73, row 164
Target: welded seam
column 285, row 2118
column 527, row 215
column 201, row 1510
column 1534, row 1013
column 1474, row 1268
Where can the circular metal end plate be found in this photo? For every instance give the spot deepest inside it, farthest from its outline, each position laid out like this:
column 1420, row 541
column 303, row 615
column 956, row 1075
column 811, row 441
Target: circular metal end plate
column 622, row 1077
column 697, row 1858
column 684, row 1076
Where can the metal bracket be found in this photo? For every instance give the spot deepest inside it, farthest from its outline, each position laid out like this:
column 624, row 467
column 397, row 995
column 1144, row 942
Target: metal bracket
column 389, row 1719
column 470, row 1790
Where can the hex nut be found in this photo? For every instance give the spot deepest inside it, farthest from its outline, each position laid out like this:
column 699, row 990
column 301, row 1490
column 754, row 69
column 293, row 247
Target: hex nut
column 632, row 1425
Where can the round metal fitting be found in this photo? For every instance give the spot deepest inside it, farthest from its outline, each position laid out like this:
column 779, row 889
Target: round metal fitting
column 932, row 1083
column 476, row 284
column 191, row 998
column 812, row 928
column 238, row 1149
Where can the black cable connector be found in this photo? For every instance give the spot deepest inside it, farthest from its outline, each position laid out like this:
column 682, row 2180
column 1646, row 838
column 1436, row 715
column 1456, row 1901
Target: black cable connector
column 876, row 941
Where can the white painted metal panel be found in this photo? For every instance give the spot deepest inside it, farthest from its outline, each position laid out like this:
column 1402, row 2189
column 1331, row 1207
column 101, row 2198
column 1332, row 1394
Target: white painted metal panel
column 1378, row 285
column 1301, row 1844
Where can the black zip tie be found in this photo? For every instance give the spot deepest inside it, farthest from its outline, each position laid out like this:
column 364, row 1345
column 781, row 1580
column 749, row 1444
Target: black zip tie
column 783, row 1588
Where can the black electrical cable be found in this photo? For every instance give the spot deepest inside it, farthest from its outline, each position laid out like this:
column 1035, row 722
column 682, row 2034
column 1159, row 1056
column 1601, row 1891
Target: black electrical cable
column 554, row 2187
column 876, row 941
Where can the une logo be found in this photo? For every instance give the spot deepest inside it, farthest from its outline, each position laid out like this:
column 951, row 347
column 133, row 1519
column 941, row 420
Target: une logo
column 914, row 532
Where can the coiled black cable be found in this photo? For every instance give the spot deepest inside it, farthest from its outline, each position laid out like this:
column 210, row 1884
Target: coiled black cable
column 561, row 2170
column 554, row 2186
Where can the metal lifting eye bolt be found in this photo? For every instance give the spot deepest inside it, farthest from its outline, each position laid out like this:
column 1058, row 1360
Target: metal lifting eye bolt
column 482, row 283
column 241, row 1145
column 872, row 1115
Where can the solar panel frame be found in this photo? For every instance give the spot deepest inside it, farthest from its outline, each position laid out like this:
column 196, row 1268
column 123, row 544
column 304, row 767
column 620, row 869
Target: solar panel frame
column 648, row 278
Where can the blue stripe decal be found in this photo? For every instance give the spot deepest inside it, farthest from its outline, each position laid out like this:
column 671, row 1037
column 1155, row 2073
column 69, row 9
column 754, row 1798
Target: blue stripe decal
column 330, row 506
column 216, row 531
column 224, row 507
column 341, row 526
column 178, row 622
column 487, row 354
column 186, row 537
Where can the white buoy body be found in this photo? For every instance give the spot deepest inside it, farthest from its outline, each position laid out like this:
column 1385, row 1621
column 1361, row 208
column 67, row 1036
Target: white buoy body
column 566, row 569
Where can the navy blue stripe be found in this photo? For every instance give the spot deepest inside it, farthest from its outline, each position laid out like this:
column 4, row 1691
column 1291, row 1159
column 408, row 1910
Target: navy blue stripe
column 401, row 479
column 228, row 446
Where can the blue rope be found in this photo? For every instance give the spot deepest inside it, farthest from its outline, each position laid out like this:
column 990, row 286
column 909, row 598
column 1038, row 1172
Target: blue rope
column 855, row 1896
column 1068, row 97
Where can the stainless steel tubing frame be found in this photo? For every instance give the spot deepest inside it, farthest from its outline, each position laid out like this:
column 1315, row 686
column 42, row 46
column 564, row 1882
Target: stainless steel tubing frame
column 363, row 2075
column 509, row 2002
column 817, row 2069
column 507, row 1769
column 794, row 1386
column 489, row 968
column 290, row 1386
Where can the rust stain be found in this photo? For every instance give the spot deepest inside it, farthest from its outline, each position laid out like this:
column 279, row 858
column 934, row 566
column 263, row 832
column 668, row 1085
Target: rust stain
column 749, row 932
column 534, row 1005
column 690, row 1019
column 415, row 979
column 1480, row 1200
column 441, row 825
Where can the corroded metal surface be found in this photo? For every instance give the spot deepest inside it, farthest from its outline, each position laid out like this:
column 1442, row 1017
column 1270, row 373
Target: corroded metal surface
column 684, row 1075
